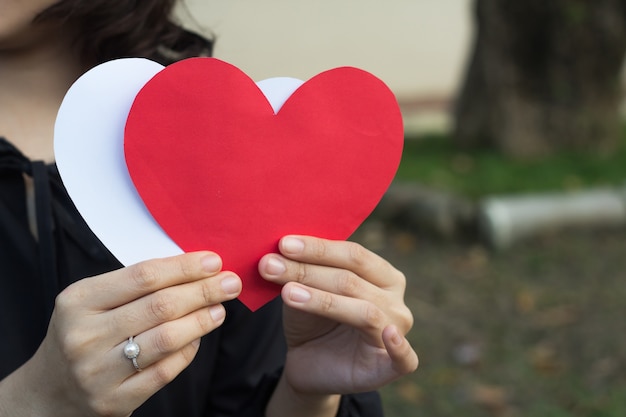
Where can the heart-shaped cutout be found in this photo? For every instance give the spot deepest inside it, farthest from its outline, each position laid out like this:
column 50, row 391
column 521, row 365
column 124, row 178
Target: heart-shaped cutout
column 88, row 145
column 89, row 153
column 220, row 170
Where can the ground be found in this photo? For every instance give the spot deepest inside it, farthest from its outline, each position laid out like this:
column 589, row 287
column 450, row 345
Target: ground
column 536, row 330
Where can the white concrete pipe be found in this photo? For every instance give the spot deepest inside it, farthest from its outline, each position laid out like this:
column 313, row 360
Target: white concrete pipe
column 505, row 220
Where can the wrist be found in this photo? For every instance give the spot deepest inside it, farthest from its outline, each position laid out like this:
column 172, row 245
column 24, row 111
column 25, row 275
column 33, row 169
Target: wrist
column 288, row 401
column 25, row 393
column 14, row 400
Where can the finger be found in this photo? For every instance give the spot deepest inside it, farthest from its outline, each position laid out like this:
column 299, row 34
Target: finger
column 119, row 287
column 343, row 255
column 169, row 338
column 362, row 315
column 281, row 270
column 172, row 303
column 404, row 359
column 142, row 385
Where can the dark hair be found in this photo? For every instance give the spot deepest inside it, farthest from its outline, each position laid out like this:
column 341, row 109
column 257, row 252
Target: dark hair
column 108, row 30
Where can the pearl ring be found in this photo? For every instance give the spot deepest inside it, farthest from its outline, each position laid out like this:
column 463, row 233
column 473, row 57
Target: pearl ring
column 131, row 351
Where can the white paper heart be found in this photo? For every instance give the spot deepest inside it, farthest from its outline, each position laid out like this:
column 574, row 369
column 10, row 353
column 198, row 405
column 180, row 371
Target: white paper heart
column 89, row 152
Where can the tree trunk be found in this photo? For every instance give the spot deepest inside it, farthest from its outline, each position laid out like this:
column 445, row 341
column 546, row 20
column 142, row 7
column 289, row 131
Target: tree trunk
column 544, row 76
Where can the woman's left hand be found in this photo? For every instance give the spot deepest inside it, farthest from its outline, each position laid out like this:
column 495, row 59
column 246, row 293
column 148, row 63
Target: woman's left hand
column 345, row 318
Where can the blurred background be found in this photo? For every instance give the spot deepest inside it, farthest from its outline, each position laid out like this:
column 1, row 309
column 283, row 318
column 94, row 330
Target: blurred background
column 508, row 212
column 418, row 47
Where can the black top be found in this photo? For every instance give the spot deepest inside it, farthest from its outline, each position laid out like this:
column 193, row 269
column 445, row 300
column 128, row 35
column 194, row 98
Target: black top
column 238, row 364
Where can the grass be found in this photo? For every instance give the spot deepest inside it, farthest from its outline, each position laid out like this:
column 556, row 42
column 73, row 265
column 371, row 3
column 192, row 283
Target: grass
column 433, row 160
column 543, row 324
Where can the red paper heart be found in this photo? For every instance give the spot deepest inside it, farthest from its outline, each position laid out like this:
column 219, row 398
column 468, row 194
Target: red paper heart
column 220, row 171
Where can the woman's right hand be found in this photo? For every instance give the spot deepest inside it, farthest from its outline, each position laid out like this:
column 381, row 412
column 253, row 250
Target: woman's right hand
column 80, row 368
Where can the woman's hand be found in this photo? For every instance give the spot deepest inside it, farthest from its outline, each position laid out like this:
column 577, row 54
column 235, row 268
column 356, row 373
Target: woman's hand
column 345, row 317
column 80, row 368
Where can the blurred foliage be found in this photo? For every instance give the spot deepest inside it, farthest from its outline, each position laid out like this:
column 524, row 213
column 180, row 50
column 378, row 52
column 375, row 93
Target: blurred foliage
column 433, row 160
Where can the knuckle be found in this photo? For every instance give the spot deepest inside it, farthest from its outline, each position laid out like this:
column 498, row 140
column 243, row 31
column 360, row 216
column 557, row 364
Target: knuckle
column 145, row 275
column 400, row 280
column 357, row 254
column 188, row 353
column 121, row 319
column 63, row 301
column 102, row 407
column 96, row 401
column 162, row 374
column 374, row 317
column 162, row 307
column 301, row 273
column 82, row 373
column 186, row 267
column 67, row 300
column 73, row 343
column 205, row 322
column 320, row 250
column 165, row 341
column 407, row 319
column 208, row 293
column 326, row 303
column 403, row 317
column 347, row 283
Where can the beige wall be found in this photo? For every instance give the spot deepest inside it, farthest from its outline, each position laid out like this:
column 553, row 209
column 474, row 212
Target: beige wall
column 418, row 47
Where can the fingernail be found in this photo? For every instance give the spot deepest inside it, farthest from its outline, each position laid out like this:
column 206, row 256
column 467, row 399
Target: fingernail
column 396, row 339
column 217, row 313
column 275, row 267
column 195, row 343
column 292, row 245
column 211, row 263
column 231, row 284
column 299, row 295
